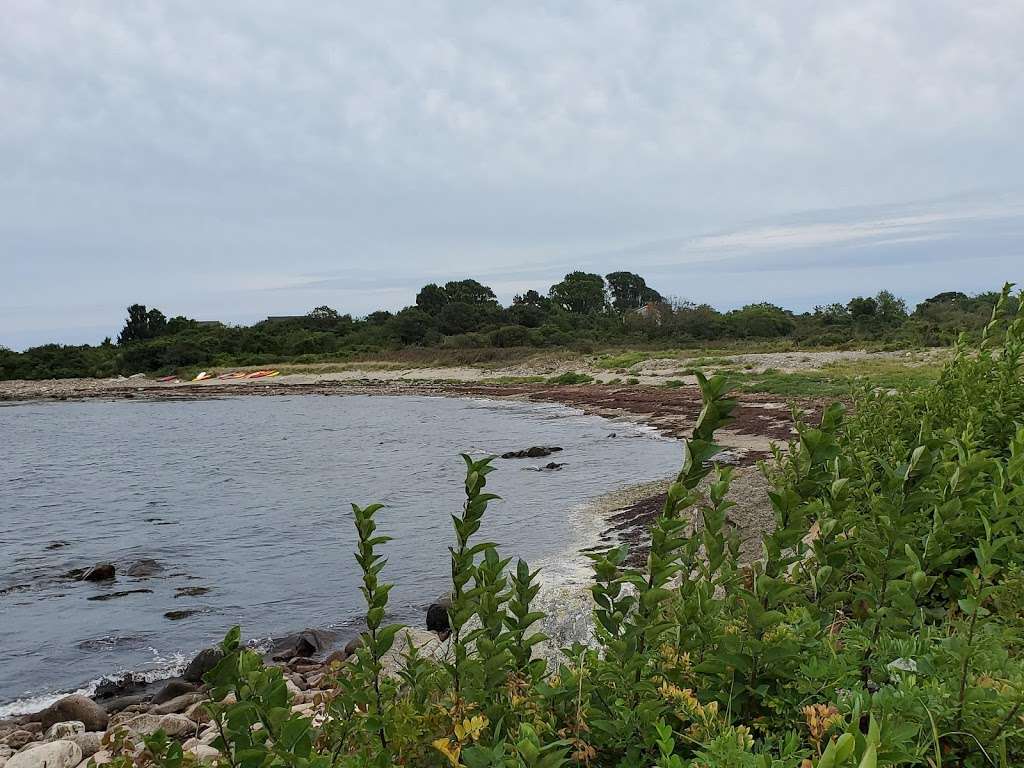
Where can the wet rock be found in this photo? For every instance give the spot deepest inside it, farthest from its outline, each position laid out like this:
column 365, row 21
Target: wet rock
column 172, row 689
column 56, row 545
column 203, row 662
column 99, row 572
column 353, row 645
column 184, row 614
column 190, row 591
column 75, row 707
column 536, row 452
column 125, row 685
column 553, row 465
column 437, row 614
column 64, row 730
column 122, row 593
column 142, row 569
column 304, row 643
column 55, row 754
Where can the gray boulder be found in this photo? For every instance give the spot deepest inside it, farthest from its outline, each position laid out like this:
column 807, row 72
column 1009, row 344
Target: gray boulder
column 305, row 643
column 65, row 730
column 75, row 707
column 179, row 704
column 54, row 754
column 203, row 662
column 174, row 726
column 89, row 743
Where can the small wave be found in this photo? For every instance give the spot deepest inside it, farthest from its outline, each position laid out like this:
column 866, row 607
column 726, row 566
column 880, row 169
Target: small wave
column 162, row 667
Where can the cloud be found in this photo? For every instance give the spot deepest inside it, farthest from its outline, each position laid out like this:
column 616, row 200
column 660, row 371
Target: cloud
column 182, row 153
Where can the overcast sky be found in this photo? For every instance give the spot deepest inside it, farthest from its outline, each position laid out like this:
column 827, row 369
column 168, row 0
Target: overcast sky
column 230, row 160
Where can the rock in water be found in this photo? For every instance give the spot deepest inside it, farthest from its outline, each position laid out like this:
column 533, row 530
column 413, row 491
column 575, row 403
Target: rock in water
column 55, row 754
column 100, row 572
column 535, row 452
column 203, row 662
column 437, row 614
column 304, row 643
column 75, row 707
column 144, row 568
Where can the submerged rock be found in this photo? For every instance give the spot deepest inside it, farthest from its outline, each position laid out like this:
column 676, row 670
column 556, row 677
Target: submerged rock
column 100, row 572
column 178, row 615
column 535, row 452
column 552, row 465
column 122, row 593
column 144, row 568
column 190, row 591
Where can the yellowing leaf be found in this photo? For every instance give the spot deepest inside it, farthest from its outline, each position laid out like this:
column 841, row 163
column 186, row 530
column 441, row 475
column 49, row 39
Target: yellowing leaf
column 449, row 749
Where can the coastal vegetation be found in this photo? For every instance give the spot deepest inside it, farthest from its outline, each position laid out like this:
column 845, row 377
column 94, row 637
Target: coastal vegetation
column 463, row 321
column 882, row 624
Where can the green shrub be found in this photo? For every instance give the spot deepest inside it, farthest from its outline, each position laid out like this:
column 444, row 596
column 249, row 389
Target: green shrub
column 570, row 377
column 883, row 624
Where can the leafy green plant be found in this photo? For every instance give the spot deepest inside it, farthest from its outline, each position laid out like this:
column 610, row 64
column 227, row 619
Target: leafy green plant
column 881, row 624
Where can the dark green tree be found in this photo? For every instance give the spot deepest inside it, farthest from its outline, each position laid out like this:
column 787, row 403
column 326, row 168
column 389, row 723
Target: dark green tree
column 630, row 291
column 141, row 324
column 469, row 292
column 432, row 298
column 413, row 326
column 582, row 293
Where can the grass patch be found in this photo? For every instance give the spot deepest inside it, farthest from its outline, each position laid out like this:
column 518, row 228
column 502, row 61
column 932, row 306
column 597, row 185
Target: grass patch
column 838, row 382
column 570, row 377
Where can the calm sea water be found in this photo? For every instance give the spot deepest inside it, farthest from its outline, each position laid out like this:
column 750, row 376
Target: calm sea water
column 250, row 497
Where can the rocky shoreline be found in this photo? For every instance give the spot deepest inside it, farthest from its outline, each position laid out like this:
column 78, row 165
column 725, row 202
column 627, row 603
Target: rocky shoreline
column 83, row 731
column 82, row 727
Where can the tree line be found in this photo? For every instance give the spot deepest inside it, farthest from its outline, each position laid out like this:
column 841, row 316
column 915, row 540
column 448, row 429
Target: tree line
column 584, row 311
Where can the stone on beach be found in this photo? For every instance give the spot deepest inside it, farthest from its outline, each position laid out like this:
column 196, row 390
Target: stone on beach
column 64, row 730
column 53, row 754
column 75, row 707
column 148, row 724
